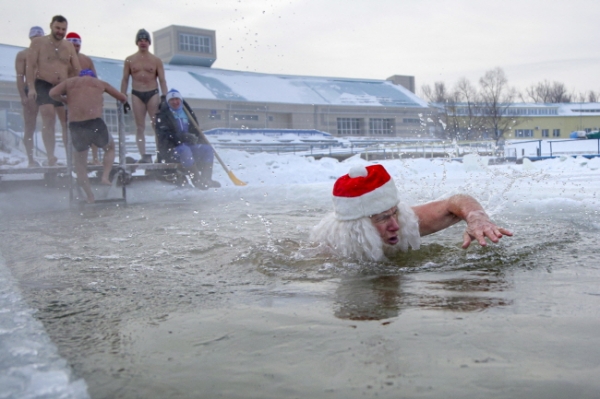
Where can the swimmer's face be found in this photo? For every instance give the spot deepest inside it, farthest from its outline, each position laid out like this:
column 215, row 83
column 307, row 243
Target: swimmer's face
column 387, row 225
column 58, row 30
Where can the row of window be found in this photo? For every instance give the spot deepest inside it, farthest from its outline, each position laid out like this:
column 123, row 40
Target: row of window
column 529, row 132
column 194, row 43
column 353, row 126
column 510, row 111
column 345, row 126
column 532, row 111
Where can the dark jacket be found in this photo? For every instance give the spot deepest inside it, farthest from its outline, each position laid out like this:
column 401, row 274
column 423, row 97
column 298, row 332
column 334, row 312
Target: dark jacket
column 169, row 134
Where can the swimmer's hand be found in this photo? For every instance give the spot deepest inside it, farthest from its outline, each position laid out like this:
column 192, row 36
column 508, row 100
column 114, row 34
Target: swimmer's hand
column 479, row 226
column 126, row 107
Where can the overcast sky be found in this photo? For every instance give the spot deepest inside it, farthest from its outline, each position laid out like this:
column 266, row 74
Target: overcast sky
column 433, row 40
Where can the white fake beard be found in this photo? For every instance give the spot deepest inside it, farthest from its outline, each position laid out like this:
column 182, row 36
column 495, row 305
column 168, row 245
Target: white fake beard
column 359, row 239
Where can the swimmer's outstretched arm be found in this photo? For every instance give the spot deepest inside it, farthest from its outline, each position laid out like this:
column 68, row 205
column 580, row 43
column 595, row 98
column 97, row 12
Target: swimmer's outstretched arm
column 438, row 215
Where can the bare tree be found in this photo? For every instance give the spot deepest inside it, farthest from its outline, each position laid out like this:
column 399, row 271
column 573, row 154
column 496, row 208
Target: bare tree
column 437, row 94
column 592, row 96
column 496, row 98
column 470, row 118
column 580, row 97
column 558, row 93
column 457, row 109
column 546, row 92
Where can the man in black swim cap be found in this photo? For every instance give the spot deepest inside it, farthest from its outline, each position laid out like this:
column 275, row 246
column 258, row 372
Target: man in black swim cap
column 142, row 34
column 147, row 73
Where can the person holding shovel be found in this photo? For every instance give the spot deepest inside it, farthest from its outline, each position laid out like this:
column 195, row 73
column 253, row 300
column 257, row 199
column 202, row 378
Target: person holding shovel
column 179, row 141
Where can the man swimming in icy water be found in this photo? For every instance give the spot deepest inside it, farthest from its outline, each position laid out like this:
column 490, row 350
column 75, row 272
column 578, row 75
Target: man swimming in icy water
column 83, row 94
column 369, row 222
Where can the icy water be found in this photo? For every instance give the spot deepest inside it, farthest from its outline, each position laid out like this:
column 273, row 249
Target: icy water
column 185, row 294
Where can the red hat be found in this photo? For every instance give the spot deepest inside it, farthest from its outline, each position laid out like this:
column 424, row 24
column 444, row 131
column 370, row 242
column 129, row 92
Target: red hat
column 364, row 191
column 73, row 37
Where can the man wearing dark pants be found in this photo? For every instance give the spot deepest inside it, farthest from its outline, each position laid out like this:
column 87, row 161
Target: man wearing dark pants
column 48, row 62
column 83, row 94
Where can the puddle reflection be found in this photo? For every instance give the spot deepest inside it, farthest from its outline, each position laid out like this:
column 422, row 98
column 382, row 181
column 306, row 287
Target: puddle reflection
column 384, row 297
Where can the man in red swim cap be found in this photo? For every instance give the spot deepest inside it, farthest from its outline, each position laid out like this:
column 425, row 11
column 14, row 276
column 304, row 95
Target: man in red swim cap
column 85, row 62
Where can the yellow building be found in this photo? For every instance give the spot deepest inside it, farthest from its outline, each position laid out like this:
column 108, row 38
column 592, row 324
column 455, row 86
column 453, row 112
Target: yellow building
column 554, row 120
column 545, row 121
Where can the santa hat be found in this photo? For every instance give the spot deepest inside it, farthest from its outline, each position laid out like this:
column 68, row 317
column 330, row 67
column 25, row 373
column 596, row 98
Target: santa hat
column 364, row 191
column 74, row 38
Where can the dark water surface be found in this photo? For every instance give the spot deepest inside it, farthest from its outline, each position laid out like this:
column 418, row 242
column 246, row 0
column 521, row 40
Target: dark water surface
column 204, row 297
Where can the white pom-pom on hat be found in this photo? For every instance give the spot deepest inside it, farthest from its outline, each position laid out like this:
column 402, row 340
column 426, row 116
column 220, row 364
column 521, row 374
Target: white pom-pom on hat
column 364, row 191
column 358, row 171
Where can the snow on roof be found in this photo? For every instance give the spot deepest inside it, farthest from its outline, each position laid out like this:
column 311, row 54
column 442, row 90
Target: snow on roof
column 195, row 82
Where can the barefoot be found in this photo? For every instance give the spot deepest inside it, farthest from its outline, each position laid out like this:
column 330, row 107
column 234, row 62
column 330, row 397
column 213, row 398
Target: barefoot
column 33, row 164
column 91, row 200
column 52, row 161
column 106, row 182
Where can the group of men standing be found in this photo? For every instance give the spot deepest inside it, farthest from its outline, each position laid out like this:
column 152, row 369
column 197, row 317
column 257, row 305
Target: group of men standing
column 53, row 58
column 53, row 72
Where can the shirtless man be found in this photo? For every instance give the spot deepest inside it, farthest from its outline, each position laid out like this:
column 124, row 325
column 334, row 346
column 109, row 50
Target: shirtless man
column 30, row 108
column 144, row 69
column 83, row 94
column 85, row 62
column 48, row 62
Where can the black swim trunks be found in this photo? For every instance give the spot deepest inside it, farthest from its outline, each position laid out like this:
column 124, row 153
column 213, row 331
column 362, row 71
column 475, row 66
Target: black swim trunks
column 145, row 96
column 86, row 133
column 43, row 97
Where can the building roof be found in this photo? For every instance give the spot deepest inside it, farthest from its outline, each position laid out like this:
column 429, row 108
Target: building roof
column 196, row 82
